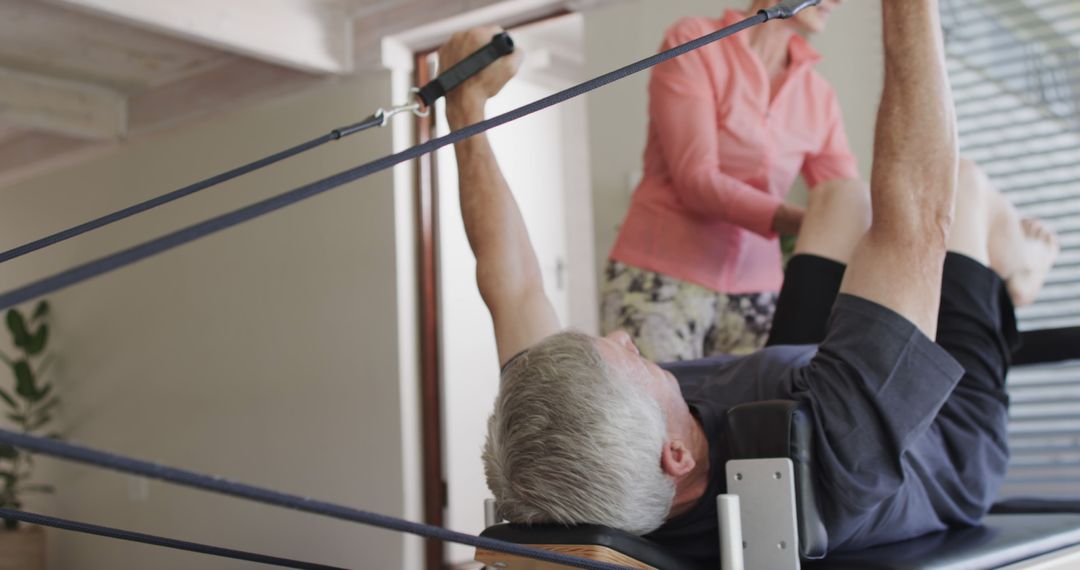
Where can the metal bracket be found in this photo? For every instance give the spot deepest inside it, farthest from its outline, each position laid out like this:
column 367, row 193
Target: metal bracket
column 788, row 9
column 766, row 491
column 386, row 114
column 491, row 518
column 491, row 514
column 731, row 541
column 415, row 108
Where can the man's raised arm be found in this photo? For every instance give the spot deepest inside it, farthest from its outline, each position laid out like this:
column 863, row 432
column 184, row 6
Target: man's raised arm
column 898, row 263
column 507, row 271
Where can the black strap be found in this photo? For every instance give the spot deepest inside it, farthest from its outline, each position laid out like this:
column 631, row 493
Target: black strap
column 115, row 462
column 338, row 133
column 158, row 245
column 109, row 263
column 139, row 537
column 500, row 45
column 126, row 257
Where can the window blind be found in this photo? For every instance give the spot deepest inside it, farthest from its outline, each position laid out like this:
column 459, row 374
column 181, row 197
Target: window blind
column 1015, row 70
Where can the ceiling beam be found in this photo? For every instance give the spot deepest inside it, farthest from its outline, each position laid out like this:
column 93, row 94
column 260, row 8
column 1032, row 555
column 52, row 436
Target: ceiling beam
column 425, row 24
column 25, row 153
column 61, row 106
column 307, row 35
column 231, row 85
column 33, row 153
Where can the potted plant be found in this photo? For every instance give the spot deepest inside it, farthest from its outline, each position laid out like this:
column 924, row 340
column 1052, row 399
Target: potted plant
column 30, row 404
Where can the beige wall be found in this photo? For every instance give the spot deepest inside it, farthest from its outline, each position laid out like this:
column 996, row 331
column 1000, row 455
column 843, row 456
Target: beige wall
column 627, row 31
column 274, row 353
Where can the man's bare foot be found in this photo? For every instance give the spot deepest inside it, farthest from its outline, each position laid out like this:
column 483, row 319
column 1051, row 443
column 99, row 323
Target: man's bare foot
column 1040, row 250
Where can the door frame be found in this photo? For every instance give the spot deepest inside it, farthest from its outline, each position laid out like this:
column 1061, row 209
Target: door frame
column 427, row 216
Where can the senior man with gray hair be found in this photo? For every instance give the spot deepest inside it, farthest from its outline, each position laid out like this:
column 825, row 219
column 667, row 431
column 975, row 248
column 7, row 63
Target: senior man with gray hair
column 910, row 433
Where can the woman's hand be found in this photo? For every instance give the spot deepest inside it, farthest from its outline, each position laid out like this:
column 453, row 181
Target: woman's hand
column 788, row 219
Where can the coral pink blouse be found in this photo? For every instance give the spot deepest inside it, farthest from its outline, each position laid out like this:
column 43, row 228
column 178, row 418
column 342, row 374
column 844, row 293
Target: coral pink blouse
column 721, row 157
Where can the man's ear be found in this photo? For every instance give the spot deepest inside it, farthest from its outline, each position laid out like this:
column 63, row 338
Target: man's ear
column 676, row 459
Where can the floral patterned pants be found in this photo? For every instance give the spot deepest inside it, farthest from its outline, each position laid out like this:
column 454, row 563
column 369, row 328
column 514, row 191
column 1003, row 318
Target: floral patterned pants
column 671, row 320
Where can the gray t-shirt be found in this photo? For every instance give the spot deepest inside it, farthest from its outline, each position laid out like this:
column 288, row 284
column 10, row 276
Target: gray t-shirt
column 883, row 465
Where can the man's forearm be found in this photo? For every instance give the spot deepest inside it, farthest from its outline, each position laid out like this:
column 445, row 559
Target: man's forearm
column 505, row 260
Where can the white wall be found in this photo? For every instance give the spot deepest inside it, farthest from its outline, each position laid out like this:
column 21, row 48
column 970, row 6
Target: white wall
column 270, row 353
column 620, row 33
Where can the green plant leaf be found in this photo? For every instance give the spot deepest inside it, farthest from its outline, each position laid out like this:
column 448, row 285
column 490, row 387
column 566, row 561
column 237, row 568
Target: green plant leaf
column 7, row 398
column 43, row 392
column 39, row 422
column 8, row 452
column 38, row 340
column 17, row 418
column 47, row 405
column 41, row 310
column 8, row 477
column 24, row 380
column 17, row 325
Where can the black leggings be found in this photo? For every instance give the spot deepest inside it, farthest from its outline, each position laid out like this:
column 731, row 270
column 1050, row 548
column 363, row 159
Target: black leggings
column 811, row 284
column 972, row 297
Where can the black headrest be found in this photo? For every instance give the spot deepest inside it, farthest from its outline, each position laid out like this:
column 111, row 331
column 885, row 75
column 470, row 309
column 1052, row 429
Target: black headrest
column 634, row 546
column 759, row 430
column 782, row 428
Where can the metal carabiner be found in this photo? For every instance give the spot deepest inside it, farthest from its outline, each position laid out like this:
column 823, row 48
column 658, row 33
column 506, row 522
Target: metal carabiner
column 386, row 114
column 416, row 92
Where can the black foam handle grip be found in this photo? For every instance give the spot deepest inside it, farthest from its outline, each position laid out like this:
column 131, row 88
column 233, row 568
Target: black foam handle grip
column 788, row 8
column 500, row 46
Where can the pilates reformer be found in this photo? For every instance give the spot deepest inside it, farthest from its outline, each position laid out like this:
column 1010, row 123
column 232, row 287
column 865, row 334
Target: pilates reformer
column 769, row 519
column 447, row 80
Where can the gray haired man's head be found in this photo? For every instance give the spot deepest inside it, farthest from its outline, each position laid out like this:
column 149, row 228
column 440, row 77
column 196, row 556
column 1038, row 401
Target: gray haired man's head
column 570, row 442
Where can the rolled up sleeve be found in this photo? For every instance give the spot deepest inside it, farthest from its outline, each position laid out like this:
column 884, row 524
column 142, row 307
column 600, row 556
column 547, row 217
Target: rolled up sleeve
column 833, row 161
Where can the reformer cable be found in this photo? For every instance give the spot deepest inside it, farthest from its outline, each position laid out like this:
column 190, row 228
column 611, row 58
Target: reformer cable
column 71, row 452
column 115, row 462
column 500, row 45
column 13, row 253
column 158, row 245
column 86, row 528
